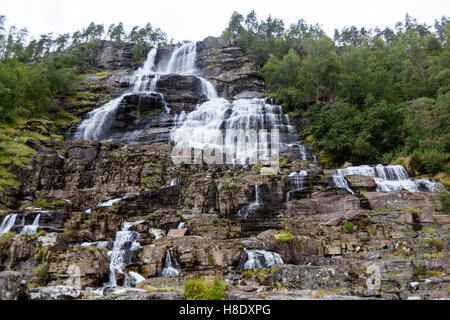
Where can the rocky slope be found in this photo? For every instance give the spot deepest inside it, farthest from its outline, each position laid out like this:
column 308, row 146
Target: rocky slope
column 329, row 239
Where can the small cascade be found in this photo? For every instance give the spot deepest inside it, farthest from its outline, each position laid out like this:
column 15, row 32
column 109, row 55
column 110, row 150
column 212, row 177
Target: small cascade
column 244, row 212
column 169, row 270
column 8, row 222
column 259, row 259
column 124, row 247
column 133, row 279
column 208, row 89
column 31, row 229
column 182, row 225
column 387, row 178
column 174, row 182
column 297, row 179
column 110, row 203
column 341, row 183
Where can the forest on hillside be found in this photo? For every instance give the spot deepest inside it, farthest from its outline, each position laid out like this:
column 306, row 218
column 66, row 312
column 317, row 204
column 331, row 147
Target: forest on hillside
column 369, row 95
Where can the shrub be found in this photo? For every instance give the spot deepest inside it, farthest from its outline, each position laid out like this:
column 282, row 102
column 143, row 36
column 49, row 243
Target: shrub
column 205, row 290
column 283, row 236
column 349, row 227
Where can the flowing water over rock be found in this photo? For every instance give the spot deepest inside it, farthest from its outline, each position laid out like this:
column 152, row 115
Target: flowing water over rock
column 31, row 229
column 297, row 179
column 387, row 178
column 208, row 127
column 169, row 270
column 246, row 211
column 7, row 223
column 259, row 259
column 123, row 250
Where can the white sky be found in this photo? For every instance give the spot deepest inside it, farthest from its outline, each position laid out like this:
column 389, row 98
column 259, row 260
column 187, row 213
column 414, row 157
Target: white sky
column 197, row 19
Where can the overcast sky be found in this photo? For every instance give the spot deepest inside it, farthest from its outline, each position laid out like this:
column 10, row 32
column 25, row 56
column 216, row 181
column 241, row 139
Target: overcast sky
column 197, row 19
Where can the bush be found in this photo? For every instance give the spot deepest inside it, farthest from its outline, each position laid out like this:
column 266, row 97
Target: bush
column 205, row 290
column 283, row 236
column 349, row 227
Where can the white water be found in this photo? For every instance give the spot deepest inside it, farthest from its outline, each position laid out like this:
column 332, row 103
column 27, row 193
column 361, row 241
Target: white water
column 8, row 222
column 95, row 126
column 298, row 180
column 341, row 183
column 121, row 255
column 182, row 225
column 387, row 178
column 244, row 212
column 31, row 229
column 182, row 61
column 169, row 270
column 206, row 127
column 260, row 259
column 110, row 203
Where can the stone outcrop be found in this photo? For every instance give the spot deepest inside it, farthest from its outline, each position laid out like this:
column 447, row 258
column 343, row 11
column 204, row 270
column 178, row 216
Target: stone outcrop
column 12, row 287
column 230, row 68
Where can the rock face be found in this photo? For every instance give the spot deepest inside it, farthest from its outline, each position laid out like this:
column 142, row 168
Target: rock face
column 113, row 56
column 11, row 286
column 190, row 216
column 357, row 181
column 230, row 68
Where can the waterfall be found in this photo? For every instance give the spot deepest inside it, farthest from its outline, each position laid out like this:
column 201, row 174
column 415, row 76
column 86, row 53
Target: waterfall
column 111, row 202
column 341, row 183
column 387, row 178
column 8, row 222
column 31, row 229
column 174, row 182
column 169, row 270
column 259, row 259
column 182, row 225
column 207, row 128
column 298, row 180
column 182, row 60
column 257, row 204
column 122, row 252
column 95, row 125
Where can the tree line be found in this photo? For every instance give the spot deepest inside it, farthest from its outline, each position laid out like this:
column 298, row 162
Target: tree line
column 368, row 95
column 33, row 72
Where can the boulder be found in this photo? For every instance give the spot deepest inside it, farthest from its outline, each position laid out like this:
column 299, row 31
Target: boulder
column 357, row 181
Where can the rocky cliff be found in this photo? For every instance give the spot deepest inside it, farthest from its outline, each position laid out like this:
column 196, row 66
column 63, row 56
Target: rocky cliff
column 329, row 239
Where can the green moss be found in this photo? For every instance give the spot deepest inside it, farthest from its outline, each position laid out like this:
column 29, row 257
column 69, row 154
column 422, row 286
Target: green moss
column 283, row 236
column 42, row 203
column 348, row 227
column 210, row 259
column 433, row 243
column 41, row 254
column 433, row 255
column 205, row 290
column 41, row 272
column 5, row 237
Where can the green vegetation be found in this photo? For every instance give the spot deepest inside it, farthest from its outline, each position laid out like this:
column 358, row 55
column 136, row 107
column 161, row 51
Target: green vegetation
column 348, row 227
column 283, row 236
column 41, row 272
column 369, row 96
column 205, row 290
column 5, row 237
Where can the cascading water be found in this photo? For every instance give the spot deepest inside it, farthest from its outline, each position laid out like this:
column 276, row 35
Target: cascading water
column 244, row 212
column 259, row 259
column 387, row 178
column 31, row 229
column 122, row 252
column 8, row 222
column 297, row 179
column 95, row 126
column 169, row 270
column 181, row 225
column 206, row 127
